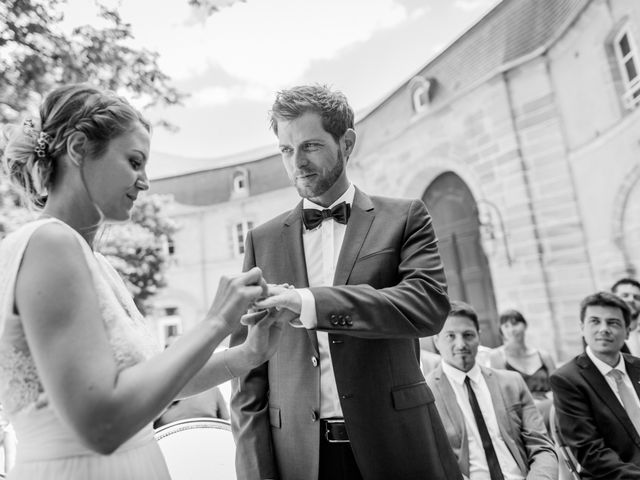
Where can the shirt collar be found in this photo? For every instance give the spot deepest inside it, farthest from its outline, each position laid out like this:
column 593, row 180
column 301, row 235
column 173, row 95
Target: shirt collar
column 603, row 367
column 347, row 197
column 458, row 376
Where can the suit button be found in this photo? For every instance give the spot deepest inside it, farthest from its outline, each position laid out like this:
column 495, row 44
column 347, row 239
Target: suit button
column 314, row 416
column 314, row 361
column 343, row 322
column 334, row 320
column 348, row 320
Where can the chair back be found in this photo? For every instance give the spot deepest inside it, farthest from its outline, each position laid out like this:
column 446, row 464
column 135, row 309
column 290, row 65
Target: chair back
column 568, row 458
column 198, row 448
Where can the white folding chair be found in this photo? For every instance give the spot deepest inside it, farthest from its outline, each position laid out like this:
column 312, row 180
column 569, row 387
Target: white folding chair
column 569, row 466
column 198, row 448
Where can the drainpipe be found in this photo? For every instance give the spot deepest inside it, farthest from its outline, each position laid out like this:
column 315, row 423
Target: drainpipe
column 532, row 215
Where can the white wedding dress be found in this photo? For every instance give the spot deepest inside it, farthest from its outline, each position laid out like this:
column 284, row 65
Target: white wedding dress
column 47, row 447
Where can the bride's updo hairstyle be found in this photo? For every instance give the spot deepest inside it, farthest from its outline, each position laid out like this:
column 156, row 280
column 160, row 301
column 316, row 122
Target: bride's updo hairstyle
column 31, row 150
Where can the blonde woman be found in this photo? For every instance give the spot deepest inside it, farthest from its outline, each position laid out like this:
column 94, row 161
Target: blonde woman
column 81, row 376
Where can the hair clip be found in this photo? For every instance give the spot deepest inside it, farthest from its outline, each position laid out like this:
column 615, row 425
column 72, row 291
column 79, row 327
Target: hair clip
column 29, row 127
column 42, row 144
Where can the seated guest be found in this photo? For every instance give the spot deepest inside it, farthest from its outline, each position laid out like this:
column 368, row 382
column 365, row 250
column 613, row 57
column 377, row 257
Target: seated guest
column 597, row 394
column 491, row 421
column 535, row 366
column 430, row 358
column 628, row 290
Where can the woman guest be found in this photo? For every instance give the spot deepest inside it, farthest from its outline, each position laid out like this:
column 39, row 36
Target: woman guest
column 534, row 365
column 81, row 375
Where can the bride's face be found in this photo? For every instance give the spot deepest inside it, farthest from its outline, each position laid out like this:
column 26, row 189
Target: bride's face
column 116, row 178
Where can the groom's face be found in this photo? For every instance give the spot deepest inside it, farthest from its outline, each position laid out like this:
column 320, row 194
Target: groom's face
column 313, row 159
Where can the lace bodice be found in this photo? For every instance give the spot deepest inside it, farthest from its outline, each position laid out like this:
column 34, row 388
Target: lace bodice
column 130, row 338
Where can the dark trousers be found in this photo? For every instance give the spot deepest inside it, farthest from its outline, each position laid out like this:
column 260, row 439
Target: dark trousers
column 336, row 460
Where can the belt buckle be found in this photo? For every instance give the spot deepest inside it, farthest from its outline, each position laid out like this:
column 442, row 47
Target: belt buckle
column 327, row 431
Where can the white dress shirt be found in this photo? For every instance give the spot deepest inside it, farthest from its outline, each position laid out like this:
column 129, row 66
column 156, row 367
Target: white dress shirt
column 604, row 369
column 322, row 247
column 478, row 467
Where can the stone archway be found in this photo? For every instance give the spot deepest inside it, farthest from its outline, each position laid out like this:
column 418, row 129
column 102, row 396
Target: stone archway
column 455, row 219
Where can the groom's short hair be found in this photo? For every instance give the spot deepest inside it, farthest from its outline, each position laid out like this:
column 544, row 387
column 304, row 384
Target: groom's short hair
column 332, row 106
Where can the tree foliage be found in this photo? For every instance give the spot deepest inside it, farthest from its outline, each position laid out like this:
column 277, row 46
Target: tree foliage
column 36, row 54
column 139, row 250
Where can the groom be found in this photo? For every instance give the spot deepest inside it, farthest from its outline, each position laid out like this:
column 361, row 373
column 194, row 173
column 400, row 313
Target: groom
column 343, row 397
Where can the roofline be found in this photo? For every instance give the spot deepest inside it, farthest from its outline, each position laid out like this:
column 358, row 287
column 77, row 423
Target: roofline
column 501, row 69
column 223, row 166
column 233, row 160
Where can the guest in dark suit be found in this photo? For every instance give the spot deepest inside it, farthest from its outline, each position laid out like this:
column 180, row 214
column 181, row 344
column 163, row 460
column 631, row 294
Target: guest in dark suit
column 597, row 395
column 491, row 421
column 344, row 397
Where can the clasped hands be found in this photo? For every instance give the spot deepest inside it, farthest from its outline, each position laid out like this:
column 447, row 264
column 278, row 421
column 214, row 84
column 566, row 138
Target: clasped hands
column 275, row 298
column 266, row 317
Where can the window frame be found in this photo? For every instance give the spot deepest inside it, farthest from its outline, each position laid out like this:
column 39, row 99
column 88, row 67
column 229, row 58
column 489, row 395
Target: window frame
column 168, row 321
column 239, row 234
column 631, row 94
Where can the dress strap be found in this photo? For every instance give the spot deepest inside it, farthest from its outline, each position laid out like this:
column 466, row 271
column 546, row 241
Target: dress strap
column 12, row 249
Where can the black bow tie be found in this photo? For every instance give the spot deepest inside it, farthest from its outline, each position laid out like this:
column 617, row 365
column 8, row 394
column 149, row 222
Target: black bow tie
column 312, row 217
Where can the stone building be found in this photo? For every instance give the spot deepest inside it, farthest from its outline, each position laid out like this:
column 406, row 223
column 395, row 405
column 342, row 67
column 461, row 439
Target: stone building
column 522, row 137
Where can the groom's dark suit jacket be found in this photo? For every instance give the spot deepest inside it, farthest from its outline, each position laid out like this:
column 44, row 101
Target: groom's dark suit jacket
column 594, row 423
column 390, row 289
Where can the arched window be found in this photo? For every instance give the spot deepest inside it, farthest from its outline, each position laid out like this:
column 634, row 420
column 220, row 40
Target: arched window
column 240, row 183
column 422, row 90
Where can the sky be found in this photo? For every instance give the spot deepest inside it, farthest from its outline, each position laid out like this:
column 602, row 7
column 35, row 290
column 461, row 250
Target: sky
column 232, row 62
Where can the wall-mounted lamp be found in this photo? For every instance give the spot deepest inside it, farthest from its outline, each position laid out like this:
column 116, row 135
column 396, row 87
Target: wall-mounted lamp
column 492, row 231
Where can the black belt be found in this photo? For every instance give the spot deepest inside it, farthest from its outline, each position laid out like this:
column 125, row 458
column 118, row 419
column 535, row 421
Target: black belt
column 334, row 430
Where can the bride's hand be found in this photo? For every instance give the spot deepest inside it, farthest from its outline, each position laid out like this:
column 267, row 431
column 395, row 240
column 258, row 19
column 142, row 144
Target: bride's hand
column 264, row 332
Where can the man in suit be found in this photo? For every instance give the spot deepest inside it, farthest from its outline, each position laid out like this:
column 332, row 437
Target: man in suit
column 628, row 290
column 343, row 397
column 597, row 394
column 491, row 421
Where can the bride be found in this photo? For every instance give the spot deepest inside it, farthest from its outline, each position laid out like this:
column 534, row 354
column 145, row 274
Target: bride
column 81, row 376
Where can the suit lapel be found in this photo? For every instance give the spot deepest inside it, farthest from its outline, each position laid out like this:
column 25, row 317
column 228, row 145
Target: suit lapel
column 454, row 414
column 362, row 215
column 292, row 243
column 633, row 370
column 600, row 386
column 451, row 403
column 500, row 408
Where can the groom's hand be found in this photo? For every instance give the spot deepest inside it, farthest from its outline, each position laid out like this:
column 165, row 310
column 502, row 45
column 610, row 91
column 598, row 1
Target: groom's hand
column 281, row 296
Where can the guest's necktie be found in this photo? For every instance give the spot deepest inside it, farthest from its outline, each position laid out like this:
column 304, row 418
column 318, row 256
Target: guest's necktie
column 629, row 398
column 313, row 217
column 492, row 459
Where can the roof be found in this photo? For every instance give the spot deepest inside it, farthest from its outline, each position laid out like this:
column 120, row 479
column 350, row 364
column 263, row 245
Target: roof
column 510, row 31
column 164, row 165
